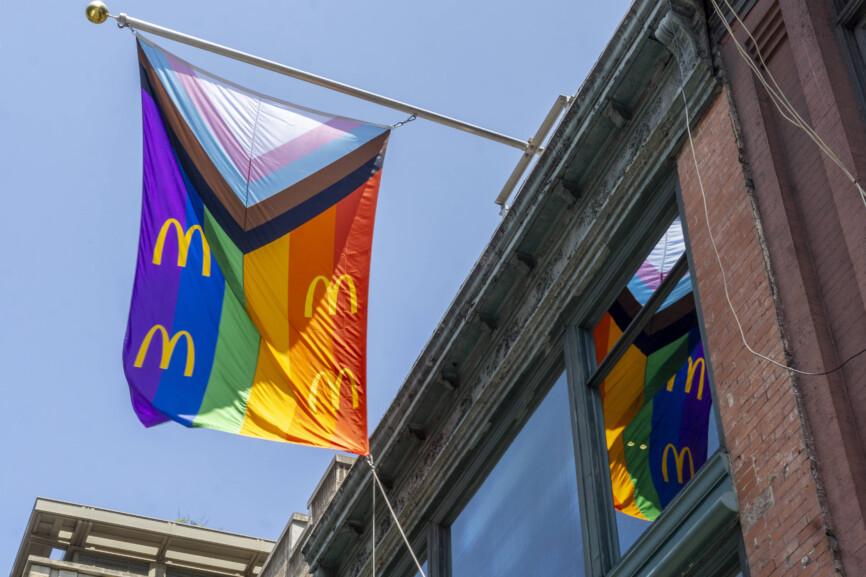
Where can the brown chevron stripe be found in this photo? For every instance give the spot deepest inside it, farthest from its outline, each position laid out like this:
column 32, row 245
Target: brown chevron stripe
column 202, row 161
column 663, row 318
column 666, row 317
column 287, row 199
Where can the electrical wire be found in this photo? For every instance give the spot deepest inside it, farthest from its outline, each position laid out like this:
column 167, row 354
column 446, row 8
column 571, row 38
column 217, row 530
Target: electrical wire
column 704, row 196
column 786, row 109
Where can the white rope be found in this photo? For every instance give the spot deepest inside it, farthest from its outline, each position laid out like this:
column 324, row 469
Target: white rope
column 394, row 516
column 784, row 106
column 374, row 527
column 707, row 217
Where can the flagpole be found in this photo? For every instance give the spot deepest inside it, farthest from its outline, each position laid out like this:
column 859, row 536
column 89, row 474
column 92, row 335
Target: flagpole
column 97, row 13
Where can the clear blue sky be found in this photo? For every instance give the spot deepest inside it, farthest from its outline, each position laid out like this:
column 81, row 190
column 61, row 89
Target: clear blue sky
column 70, row 181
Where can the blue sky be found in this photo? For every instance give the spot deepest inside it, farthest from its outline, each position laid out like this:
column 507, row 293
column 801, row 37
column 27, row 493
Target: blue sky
column 70, row 181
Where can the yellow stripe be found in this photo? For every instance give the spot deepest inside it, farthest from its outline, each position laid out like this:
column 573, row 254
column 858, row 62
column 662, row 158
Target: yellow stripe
column 272, row 402
column 622, row 401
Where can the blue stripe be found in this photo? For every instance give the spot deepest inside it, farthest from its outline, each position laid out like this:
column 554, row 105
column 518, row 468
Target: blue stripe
column 666, row 421
column 313, row 162
column 198, row 311
column 681, row 420
column 197, row 124
column 642, row 292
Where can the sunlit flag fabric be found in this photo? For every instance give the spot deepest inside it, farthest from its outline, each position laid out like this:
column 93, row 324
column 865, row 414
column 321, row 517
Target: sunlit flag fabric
column 656, row 400
column 249, row 309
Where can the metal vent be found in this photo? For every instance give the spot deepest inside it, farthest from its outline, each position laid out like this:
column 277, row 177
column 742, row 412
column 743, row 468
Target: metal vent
column 769, row 33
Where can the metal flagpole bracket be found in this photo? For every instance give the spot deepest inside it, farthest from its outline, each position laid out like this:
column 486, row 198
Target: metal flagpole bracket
column 534, row 148
column 97, row 13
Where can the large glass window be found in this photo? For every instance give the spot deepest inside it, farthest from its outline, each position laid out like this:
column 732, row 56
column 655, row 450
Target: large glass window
column 656, row 398
column 636, row 411
column 524, row 520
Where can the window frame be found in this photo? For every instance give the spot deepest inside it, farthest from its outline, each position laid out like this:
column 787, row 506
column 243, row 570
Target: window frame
column 601, row 545
column 503, row 430
column 573, row 353
column 851, row 15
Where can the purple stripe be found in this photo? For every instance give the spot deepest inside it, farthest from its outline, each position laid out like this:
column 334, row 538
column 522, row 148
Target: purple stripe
column 206, row 108
column 299, row 147
column 154, row 293
column 696, row 413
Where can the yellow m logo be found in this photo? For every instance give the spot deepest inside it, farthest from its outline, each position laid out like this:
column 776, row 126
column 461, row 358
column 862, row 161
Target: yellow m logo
column 695, row 367
column 183, row 241
column 167, row 349
column 334, row 386
column 331, row 291
column 680, row 458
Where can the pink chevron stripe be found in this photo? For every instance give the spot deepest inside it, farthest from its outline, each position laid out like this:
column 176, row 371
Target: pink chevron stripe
column 651, row 276
column 296, row 148
column 206, row 108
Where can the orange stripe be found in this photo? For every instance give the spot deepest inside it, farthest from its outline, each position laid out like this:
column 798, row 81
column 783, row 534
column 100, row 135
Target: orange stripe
column 311, row 357
column 272, row 403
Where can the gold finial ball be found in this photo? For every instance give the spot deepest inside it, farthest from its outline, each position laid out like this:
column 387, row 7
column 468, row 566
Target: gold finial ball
column 97, row 12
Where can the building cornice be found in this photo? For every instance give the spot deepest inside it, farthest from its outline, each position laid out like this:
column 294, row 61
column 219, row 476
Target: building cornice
column 71, row 527
column 600, row 176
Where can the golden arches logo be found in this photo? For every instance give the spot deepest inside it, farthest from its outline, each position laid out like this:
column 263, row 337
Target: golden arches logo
column 167, row 349
column 331, row 293
column 334, row 386
column 183, row 241
column 694, row 366
column 680, row 458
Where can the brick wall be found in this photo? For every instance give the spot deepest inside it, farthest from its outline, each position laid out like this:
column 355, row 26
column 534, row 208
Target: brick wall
column 814, row 243
column 784, row 525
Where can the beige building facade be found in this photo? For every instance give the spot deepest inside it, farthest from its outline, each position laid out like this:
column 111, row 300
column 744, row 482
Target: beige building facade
column 69, row 540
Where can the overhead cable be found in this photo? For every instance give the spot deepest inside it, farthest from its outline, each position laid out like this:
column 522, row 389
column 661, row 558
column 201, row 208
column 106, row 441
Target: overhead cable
column 802, row 125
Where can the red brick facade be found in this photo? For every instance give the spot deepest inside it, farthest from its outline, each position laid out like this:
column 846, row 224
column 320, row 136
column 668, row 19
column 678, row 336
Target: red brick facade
column 791, row 231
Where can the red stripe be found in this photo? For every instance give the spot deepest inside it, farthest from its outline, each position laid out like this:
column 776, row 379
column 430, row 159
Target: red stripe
column 353, row 243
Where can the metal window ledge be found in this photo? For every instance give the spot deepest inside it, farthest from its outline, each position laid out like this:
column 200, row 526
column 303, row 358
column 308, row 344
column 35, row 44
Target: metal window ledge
column 702, row 517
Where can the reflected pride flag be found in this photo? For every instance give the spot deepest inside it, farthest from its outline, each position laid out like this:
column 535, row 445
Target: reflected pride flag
column 249, row 308
column 657, row 398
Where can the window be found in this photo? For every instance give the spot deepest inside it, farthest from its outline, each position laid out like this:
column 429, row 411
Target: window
column 655, row 392
column 524, row 520
column 618, row 468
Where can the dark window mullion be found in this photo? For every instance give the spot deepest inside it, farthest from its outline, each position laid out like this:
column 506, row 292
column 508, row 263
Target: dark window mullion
column 639, row 323
column 438, row 550
column 595, row 493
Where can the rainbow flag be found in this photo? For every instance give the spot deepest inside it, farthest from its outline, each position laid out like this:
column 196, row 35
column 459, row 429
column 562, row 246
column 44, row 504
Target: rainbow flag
column 249, row 308
column 657, row 398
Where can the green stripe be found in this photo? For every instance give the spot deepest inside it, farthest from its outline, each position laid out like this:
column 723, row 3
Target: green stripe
column 229, row 258
column 663, row 364
column 637, row 462
column 660, row 367
column 234, row 367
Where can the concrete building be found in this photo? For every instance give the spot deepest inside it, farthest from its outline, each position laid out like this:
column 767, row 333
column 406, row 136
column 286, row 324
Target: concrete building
column 68, row 540
column 494, row 450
